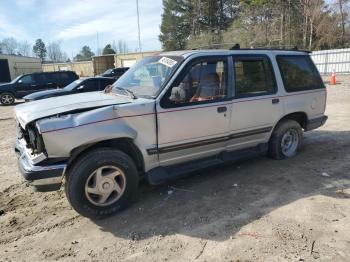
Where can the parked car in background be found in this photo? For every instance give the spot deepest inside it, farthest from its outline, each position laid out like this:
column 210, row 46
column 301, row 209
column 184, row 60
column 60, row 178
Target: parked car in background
column 78, row 86
column 27, row 84
column 168, row 115
column 115, row 72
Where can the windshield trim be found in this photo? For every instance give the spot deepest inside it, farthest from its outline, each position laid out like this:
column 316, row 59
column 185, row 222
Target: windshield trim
column 15, row 80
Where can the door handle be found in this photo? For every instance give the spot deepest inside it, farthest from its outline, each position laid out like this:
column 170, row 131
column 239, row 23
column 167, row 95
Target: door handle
column 32, row 85
column 275, row 101
column 222, row 109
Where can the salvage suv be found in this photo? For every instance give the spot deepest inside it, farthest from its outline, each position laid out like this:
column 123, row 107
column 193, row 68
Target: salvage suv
column 168, row 115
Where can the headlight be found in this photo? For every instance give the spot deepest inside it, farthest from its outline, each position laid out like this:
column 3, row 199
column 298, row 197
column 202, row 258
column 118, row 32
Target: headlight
column 34, row 140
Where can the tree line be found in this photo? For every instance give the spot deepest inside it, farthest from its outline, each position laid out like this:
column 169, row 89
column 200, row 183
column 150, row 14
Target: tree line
column 307, row 24
column 52, row 52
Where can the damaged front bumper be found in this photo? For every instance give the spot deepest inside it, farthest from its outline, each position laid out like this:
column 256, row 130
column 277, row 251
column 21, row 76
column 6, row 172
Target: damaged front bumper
column 43, row 178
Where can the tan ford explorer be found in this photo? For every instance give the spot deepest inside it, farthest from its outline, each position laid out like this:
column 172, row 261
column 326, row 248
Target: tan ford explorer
column 168, row 115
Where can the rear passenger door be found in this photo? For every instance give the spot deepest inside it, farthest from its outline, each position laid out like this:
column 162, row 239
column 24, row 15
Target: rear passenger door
column 63, row 79
column 45, row 81
column 256, row 106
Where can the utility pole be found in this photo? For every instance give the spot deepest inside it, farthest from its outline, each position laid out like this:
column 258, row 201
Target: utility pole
column 98, row 44
column 138, row 25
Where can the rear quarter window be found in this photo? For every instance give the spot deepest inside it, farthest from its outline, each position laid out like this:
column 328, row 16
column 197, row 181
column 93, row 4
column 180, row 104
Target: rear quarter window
column 299, row 73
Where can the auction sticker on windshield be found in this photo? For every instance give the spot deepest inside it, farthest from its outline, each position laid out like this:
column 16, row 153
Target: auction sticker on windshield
column 167, row 61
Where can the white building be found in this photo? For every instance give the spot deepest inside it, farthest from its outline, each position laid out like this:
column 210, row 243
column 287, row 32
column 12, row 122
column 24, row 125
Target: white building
column 12, row 66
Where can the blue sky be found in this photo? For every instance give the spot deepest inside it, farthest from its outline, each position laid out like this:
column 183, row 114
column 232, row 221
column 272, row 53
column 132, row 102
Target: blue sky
column 76, row 22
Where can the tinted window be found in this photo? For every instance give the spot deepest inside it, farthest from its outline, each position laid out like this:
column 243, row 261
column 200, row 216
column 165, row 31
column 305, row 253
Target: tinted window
column 64, row 76
column 44, row 78
column 28, row 79
column 253, row 76
column 61, row 77
column 56, row 76
column 90, row 85
column 299, row 73
column 203, row 81
column 104, row 83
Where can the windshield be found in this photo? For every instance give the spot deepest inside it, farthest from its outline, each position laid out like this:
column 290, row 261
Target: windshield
column 108, row 71
column 147, row 76
column 16, row 79
column 72, row 85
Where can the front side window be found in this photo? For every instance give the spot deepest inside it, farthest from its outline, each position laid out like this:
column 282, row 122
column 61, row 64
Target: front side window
column 146, row 78
column 204, row 81
column 253, row 76
column 90, row 85
column 28, row 79
column 299, row 73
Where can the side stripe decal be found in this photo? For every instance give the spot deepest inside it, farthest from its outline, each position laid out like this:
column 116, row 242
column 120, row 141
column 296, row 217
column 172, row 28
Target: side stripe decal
column 162, row 150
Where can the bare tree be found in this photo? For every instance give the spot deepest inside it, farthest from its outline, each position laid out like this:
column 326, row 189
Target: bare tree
column 9, row 46
column 55, row 53
column 23, row 48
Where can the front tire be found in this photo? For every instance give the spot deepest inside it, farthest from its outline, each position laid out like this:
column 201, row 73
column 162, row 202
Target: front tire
column 285, row 140
column 7, row 99
column 101, row 183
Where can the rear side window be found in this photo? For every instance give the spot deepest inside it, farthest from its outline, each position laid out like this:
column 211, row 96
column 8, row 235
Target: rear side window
column 299, row 73
column 64, row 76
column 42, row 78
column 253, row 76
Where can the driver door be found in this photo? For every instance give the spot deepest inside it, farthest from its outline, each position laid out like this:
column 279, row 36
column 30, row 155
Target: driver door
column 194, row 124
column 26, row 85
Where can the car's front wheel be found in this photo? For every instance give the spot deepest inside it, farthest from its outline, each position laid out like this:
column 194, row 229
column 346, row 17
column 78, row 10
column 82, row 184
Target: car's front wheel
column 285, row 140
column 102, row 182
column 7, row 99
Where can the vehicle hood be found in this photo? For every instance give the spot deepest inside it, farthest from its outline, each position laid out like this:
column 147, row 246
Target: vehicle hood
column 28, row 112
column 4, row 85
column 46, row 93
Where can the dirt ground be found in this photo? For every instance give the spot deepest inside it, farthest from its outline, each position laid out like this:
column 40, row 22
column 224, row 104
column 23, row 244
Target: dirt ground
column 257, row 210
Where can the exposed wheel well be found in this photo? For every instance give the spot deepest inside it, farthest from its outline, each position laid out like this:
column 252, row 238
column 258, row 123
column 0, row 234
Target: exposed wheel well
column 125, row 145
column 300, row 117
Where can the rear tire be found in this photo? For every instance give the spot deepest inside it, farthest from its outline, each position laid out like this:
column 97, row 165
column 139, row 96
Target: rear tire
column 7, row 99
column 285, row 140
column 101, row 183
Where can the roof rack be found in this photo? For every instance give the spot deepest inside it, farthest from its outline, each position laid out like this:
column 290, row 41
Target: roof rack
column 294, row 48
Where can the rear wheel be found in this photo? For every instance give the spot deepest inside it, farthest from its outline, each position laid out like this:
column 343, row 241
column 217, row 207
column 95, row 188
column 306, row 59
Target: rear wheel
column 101, row 183
column 7, row 99
column 286, row 139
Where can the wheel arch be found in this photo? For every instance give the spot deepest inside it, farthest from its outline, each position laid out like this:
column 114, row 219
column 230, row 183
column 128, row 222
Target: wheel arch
column 123, row 144
column 300, row 117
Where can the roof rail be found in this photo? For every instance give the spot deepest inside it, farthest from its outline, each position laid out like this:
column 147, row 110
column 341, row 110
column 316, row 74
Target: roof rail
column 294, row 48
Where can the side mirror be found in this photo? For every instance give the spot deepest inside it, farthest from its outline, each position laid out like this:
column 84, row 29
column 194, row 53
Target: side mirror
column 19, row 81
column 80, row 88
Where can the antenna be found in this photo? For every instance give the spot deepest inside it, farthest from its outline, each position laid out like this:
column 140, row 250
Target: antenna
column 138, row 25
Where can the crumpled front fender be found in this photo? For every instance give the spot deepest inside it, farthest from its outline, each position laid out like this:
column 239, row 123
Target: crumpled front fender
column 63, row 134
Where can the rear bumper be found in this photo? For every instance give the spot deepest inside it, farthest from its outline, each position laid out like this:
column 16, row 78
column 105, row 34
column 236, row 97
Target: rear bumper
column 43, row 178
column 316, row 123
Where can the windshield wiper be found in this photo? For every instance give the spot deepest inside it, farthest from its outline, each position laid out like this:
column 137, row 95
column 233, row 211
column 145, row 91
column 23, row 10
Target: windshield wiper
column 128, row 91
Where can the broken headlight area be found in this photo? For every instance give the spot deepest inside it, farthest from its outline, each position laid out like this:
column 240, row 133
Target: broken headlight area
column 33, row 139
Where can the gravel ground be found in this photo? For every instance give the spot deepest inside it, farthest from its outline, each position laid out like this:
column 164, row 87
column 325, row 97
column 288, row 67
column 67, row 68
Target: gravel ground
column 257, row 210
